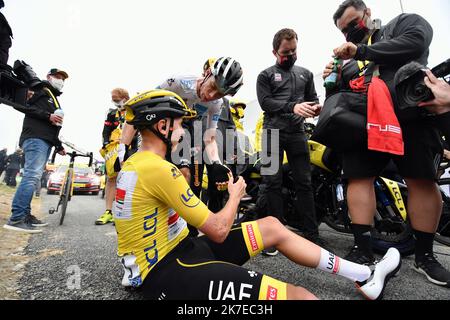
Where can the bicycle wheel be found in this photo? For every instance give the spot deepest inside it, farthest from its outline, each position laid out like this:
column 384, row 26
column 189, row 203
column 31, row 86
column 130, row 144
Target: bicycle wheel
column 65, row 197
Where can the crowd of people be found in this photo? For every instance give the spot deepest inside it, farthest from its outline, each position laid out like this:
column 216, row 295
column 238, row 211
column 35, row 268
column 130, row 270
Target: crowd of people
column 157, row 144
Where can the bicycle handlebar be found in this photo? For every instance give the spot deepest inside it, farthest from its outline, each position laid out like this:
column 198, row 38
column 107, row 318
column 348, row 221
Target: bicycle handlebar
column 74, row 155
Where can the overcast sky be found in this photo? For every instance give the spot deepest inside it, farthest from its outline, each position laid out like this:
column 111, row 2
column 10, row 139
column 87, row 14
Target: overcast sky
column 137, row 44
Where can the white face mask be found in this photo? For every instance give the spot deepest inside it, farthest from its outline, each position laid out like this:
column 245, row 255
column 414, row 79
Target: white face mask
column 119, row 104
column 58, row 84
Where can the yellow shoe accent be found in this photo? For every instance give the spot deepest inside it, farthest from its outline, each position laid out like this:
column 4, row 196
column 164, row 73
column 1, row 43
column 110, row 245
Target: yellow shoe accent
column 107, row 217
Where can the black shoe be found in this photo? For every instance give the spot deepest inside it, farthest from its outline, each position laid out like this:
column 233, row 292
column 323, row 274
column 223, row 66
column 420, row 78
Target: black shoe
column 21, row 226
column 360, row 256
column 433, row 270
column 270, row 252
column 35, row 222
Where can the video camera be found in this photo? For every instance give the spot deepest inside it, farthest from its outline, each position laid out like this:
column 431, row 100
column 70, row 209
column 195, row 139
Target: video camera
column 410, row 86
column 15, row 83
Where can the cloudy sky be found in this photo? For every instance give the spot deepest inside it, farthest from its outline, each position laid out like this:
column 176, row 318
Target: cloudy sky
column 137, row 44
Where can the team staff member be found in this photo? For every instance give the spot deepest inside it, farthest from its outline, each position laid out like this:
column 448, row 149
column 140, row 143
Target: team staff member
column 287, row 96
column 112, row 132
column 40, row 133
column 154, row 204
column 404, row 39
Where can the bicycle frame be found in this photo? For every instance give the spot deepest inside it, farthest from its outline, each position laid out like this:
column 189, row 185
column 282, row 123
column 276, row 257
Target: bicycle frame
column 66, row 191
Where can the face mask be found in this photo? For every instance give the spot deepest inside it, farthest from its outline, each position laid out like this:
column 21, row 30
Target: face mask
column 119, row 104
column 58, row 84
column 357, row 32
column 286, row 62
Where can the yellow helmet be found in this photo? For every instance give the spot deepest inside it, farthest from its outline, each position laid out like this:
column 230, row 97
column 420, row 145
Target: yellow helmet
column 149, row 107
column 208, row 64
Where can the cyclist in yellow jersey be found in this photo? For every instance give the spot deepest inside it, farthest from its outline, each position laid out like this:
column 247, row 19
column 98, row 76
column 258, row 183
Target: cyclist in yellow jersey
column 112, row 132
column 154, row 203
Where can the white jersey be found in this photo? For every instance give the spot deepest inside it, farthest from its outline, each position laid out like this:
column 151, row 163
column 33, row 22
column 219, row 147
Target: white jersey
column 186, row 88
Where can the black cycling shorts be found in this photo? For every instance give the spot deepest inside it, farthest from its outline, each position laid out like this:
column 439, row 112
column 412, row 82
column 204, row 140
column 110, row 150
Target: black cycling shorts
column 423, row 151
column 199, row 269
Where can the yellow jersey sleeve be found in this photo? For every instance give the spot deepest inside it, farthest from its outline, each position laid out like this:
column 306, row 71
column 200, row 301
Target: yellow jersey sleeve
column 172, row 189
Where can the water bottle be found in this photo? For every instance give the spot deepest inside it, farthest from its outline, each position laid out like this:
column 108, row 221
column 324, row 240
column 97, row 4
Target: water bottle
column 59, row 112
column 331, row 80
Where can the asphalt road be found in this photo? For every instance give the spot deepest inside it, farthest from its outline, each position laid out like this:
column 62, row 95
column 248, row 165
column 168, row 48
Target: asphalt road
column 78, row 260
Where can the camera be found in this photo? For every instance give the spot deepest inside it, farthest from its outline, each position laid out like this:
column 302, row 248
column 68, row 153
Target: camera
column 15, row 83
column 410, row 86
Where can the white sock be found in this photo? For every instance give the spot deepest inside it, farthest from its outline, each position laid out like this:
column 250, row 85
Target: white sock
column 333, row 264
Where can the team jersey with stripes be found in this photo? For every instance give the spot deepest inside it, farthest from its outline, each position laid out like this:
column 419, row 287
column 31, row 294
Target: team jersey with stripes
column 152, row 205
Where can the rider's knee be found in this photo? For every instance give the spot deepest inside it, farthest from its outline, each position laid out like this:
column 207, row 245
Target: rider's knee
column 272, row 223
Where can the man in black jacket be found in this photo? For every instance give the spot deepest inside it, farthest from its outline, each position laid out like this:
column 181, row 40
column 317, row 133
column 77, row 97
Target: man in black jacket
column 40, row 132
column 3, row 156
column 406, row 38
column 287, row 95
column 14, row 163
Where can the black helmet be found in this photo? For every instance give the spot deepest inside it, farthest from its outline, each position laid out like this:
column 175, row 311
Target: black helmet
column 148, row 108
column 228, row 75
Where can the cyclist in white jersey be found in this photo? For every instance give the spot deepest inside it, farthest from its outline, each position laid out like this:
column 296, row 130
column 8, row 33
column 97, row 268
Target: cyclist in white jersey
column 203, row 94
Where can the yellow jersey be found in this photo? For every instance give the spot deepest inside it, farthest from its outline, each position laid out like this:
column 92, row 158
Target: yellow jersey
column 152, row 204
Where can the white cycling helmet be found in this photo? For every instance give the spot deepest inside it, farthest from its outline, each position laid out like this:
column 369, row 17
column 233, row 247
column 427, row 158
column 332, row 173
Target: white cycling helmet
column 228, row 75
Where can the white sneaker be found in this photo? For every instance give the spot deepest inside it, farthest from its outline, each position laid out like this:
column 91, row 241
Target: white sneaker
column 386, row 268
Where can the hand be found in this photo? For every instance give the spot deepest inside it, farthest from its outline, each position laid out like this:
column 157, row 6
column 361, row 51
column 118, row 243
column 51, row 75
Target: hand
column 328, row 70
column 307, row 109
column 441, row 91
column 346, row 51
column 218, row 173
column 236, row 190
column 62, row 152
column 55, row 119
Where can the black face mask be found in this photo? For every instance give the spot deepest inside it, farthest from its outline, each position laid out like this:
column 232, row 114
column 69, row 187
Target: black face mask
column 287, row 61
column 357, row 32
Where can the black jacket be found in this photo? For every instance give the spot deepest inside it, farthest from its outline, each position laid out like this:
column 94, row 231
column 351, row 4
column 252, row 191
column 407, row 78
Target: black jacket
column 113, row 120
column 36, row 123
column 279, row 91
column 14, row 161
column 3, row 157
column 406, row 38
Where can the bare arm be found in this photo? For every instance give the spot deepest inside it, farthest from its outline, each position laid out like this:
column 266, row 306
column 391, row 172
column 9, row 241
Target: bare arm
column 218, row 226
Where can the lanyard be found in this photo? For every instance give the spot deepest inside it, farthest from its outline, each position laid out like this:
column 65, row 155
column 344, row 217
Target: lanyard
column 53, row 97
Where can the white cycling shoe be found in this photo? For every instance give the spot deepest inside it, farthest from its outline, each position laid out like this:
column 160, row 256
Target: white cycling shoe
column 386, row 268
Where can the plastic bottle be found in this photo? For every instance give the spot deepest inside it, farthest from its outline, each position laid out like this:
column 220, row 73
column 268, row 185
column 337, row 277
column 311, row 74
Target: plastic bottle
column 59, row 112
column 331, row 80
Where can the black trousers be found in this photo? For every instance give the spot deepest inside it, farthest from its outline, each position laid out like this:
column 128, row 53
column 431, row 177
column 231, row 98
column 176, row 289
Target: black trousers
column 10, row 177
column 296, row 147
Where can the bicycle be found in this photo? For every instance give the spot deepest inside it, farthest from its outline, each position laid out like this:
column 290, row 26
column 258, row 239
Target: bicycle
column 66, row 191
